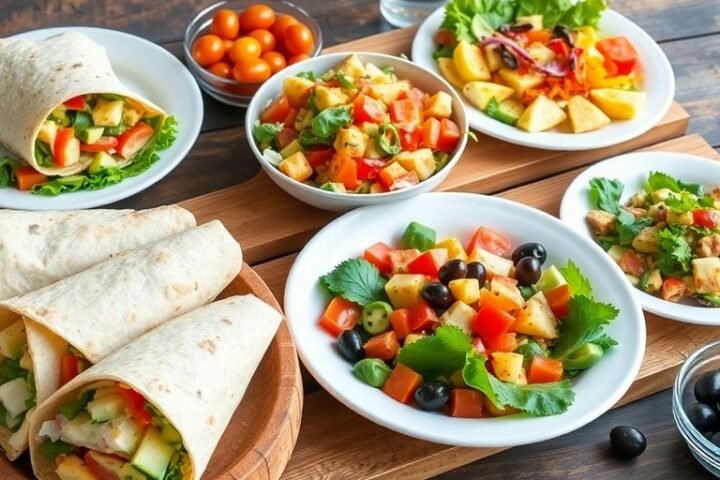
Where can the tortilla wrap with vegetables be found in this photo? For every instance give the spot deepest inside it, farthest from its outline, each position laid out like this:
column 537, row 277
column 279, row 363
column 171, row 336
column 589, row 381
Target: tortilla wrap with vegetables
column 40, row 248
column 49, row 335
column 42, row 76
column 190, row 375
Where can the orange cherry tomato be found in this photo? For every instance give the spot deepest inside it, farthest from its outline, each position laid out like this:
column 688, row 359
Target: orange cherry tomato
column 208, row 49
column 228, row 44
column 266, row 39
column 299, row 39
column 253, row 70
column 226, row 24
column 297, row 58
column 282, row 22
column 257, row 16
column 245, row 48
column 221, row 69
column 275, row 60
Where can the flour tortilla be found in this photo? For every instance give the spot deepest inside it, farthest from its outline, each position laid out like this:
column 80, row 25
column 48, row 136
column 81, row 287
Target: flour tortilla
column 40, row 248
column 38, row 76
column 194, row 370
column 105, row 307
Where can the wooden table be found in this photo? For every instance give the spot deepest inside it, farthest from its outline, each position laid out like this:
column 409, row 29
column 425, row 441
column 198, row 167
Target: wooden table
column 688, row 31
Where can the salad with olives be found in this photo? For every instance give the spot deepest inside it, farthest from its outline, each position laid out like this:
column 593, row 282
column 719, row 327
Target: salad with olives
column 474, row 330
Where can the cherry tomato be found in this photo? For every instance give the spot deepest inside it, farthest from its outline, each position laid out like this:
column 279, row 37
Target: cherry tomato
column 225, row 24
column 245, row 48
column 297, row 58
column 266, row 39
column 228, row 44
column 299, row 39
column 275, row 60
column 208, row 49
column 221, row 69
column 257, row 16
column 253, row 70
column 282, row 22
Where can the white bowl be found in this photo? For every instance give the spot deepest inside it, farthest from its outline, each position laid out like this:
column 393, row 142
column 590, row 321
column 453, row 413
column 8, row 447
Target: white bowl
column 633, row 170
column 460, row 214
column 404, row 69
column 659, row 85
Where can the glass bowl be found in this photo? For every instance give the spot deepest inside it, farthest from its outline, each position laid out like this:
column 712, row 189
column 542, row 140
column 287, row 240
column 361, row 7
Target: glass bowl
column 705, row 359
column 226, row 90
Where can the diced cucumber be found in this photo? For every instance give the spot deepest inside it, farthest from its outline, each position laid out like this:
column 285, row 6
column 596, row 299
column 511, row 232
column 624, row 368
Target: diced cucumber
column 419, row 236
column 550, row 279
column 441, row 159
column 102, row 161
column 91, row 135
column 333, row 187
column 128, row 472
column 153, row 455
column 13, row 340
column 82, row 122
column 106, row 407
column 108, row 113
column 292, row 148
column 14, row 396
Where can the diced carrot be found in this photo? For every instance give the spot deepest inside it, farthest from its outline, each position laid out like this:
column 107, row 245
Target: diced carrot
column 400, row 321
column 498, row 301
column 544, row 370
column 402, row 383
column 465, row 403
column 506, row 342
column 384, row 346
column 558, row 298
column 343, row 169
column 28, row 177
column 339, row 315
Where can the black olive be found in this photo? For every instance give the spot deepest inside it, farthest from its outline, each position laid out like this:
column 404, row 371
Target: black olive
column 508, row 58
column 477, row 270
column 521, row 28
column 703, row 418
column 350, row 346
column 561, row 31
column 452, row 270
column 627, row 442
column 531, row 249
column 364, row 334
column 528, row 271
column 707, row 388
column 437, row 295
column 432, row 395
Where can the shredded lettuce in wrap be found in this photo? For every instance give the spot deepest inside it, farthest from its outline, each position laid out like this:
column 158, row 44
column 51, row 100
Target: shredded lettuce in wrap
column 8, row 167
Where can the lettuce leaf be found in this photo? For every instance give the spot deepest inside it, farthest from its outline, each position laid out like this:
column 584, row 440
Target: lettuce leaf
column 470, row 19
column 8, row 168
column 551, row 10
column 585, row 13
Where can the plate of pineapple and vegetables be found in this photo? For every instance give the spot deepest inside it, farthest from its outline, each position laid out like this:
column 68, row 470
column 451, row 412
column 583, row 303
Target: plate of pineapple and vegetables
column 557, row 75
column 657, row 215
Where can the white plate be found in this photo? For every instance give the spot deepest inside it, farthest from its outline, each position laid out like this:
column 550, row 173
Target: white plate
column 659, row 84
column 460, row 214
column 153, row 73
column 633, row 170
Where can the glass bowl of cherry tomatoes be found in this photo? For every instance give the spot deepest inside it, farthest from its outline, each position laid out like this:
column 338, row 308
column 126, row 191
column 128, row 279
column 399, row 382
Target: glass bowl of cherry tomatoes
column 232, row 47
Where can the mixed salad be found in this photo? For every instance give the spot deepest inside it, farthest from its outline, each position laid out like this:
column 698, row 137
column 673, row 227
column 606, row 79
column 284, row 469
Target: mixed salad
column 113, row 135
column 476, row 330
column 540, row 65
column 110, row 431
column 666, row 237
column 357, row 129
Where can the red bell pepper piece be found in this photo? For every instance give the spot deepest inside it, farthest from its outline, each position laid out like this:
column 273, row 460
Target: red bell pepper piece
column 277, row 111
column 422, row 317
column 69, row 368
column 340, row 315
column 379, row 255
column 66, row 150
column 27, row 177
column 103, row 144
column 415, row 95
column 410, row 137
column 706, row 218
column 405, row 112
column 317, row 156
column 133, row 140
column 559, row 298
column 620, row 52
column 289, row 121
column 76, row 103
column 491, row 322
column 430, row 133
column 429, row 263
column 367, row 109
column 103, row 466
column 136, row 405
column 544, row 370
column 488, row 240
column 560, row 48
column 368, row 169
column 449, row 136
column 344, row 169
column 506, row 342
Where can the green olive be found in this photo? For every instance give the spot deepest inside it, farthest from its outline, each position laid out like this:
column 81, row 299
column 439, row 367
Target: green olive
column 372, row 371
column 376, row 317
column 584, row 357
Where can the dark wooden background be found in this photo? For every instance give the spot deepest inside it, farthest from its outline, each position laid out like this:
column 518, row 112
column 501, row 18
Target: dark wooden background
column 687, row 30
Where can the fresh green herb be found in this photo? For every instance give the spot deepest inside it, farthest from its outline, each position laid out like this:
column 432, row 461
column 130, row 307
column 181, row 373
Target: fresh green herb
column 607, row 241
column 491, row 14
column 628, row 227
column 493, row 111
column 345, row 81
column 308, row 139
column 388, row 69
column 584, row 323
column 265, row 133
column 72, row 409
column 82, row 122
column 684, row 202
column 372, row 371
column 443, row 51
column 32, row 400
column 51, row 449
column 355, row 280
column 10, row 370
column 43, row 154
column 579, row 285
column 706, row 201
column 530, row 350
column 712, row 300
column 307, row 76
column 605, row 194
column 604, row 341
column 527, row 292
column 584, row 13
column 419, row 236
column 675, row 252
column 551, row 10
column 441, row 354
column 175, row 470
column 8, row 169
column 329, row 121
column 388, row 139
column 660, row 180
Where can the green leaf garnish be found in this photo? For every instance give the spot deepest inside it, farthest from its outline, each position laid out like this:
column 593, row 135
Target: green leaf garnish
column 441, row 354
column 355, row 280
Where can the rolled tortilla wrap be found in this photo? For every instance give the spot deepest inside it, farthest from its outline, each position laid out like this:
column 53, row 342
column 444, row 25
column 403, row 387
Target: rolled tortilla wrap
column 40, row 248
column 43, row 75
column 193, row 371
column 103, row 308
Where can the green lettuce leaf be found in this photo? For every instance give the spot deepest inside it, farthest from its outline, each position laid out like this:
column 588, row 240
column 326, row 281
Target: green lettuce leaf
column 675, row 252
column 8, row 168
column 584, row 13
column 551, row 10
column 628, row 227
column 469, row 20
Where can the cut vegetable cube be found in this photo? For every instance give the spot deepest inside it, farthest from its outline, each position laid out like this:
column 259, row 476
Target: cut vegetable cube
column 506, row 290
column 421, row 161
column 404, row 289
column 399, row 259
column 584, row 116
column 454, row 248
column 536, row 319
column 351, row 142
column 465, row 403
column 470, row 63
column 494, row 265
column 520, row 82
column 618, row 104
column 389, row 92
column 466, row 290
column 352, row 66
column 508, row 367
column 297, row 90
column 706, row 272
column 459, row 315
column 402, row 383
column 439, row 106
column 480, row 93
column 543, row 114
column 296, row 167
column 329, row 97
column 448, row 70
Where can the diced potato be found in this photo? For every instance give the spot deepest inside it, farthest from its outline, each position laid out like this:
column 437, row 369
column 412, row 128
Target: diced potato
column 459, row 315
column 618, row 104
column 466, row 290
column 376, row 188
column 661, row 195
column 404, row 289
column 420, row 161
column 585, row 37
column 647, row 241
column 601, row 222
column 493, row 59
column 708, row 246
column 297, row 167
column 329, row 97
column 352, row 66
column 448, row 70
column 518, row 81
column 654, row 282
column 536, row 319
column 584, row 116
column 542, row 114
column 303, row 120
column 454, row 248
column 48, row 132
column 296, row 90
column 680, row 218
column 542, row 54
column 107, row 113
column 493, row 411
column 616, row 252
column 494, row 265
column 292, row 148
column 351, row 142
column 480, row 93
column 506, row 289
column 71, row 467
column 535, row 20
column 439, row 106
column 470, row 63
column 508, row 367
column 375, row 74
column 706, row 272
column 392, row 172
column 388, row 92
column 372, row 151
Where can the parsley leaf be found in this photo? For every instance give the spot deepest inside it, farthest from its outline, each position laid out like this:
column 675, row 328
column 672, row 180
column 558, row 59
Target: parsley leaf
column 628, row 227
column 685, row 202
column 530, row 350
column 604, row 341
column 355, row 280
column 605, row 194
column 583, row 324
column 265, row 133
column 675, row 252
column 579, row 285
column 330, row 120
column 658, row 180
column 441, row 354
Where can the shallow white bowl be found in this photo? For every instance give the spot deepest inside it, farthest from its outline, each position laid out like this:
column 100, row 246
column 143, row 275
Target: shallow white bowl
column 633, row 170
column 659, row 85
column 460, row 214
column 404, row 69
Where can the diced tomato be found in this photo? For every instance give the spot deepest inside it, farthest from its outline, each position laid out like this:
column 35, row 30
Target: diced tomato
column 340, row 315
column 429, row 263
column 449, row 136
column 611, row 68
column 490, row 321
column 560, row 48
column 69, row 368
column 488, row 240
column 673, row 289
column 405, row 112
column 286, row 137
column 478, row 345
column 415, row 95
column 400, row 321
column 706, row 218
column 399, row 259
column 431, row 133
column 368, row 169
column 544, row 370
column 422, row 317
column 405, row 181
column 27, row 177
column 133, row 140
column 465, row 403
column 317, row 156
column 445, row 37
column 104, row 466
column 379, row 255
column 402, row 383
column 103, row 144
column 136, row 404
column 367, row 109
column 66, row 150
column 291, row 117
column 277, row 111
column 410, row 137
column 620, row 51
column 76, row 103
column 384, row 346
column 507, row 342
column 631, row 263
column 559, row 298
column 343, row 169
column 542, row 36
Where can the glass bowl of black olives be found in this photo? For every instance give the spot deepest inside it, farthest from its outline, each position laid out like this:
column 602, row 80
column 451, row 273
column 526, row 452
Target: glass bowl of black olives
column 696, row 405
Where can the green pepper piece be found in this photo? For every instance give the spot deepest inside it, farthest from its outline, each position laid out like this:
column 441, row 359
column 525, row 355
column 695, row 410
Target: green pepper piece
column 493, row 111
column 71, row 409
column 51, row 449
column 372, row 371
column 584, row 357
column 376, row 317
column 82, row 122
column 388, row 139
column 419, row 236
column 441, row 160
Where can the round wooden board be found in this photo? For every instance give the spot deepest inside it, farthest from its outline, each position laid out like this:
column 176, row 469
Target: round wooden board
column 261, row 436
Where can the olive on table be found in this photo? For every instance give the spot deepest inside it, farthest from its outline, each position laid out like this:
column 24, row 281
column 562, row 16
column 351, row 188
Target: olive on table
column 437, row 295
column 453, row 270
column 528, row 271
column 707, row 388
column 432, row 395
column 530, row 249
column 627, row 442
column 375, row 317
column 350, row 346
column 702, row 417
column 477, row 270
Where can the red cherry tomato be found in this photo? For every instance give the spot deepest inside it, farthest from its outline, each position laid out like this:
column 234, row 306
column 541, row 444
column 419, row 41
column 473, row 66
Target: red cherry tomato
column 221, row 69
column 245, row 48
column 226, row 24
column 257, row 16
column 253, row 70
column 299, row 39
column 208, row 49
column 266, row 39
column 275, row 60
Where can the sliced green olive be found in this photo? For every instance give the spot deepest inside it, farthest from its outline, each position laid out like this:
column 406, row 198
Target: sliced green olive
column 376, row 317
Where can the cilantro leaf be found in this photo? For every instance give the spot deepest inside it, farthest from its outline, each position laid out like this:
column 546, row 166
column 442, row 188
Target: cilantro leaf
column 330, row 120
column 628, row 227
column 659, row 180
column 355, row 280
column 579, row 285
column 675, row 252
column 682, row 203
column 441, row 354
column 604, row 341
column 605, row 194
column 583, row 324
column 265, row 133
column 529, row 350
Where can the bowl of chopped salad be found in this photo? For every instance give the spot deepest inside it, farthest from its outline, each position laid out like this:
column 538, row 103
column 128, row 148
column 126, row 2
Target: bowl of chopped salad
column 657, row 216
column 494, row 325
column 346, row 130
